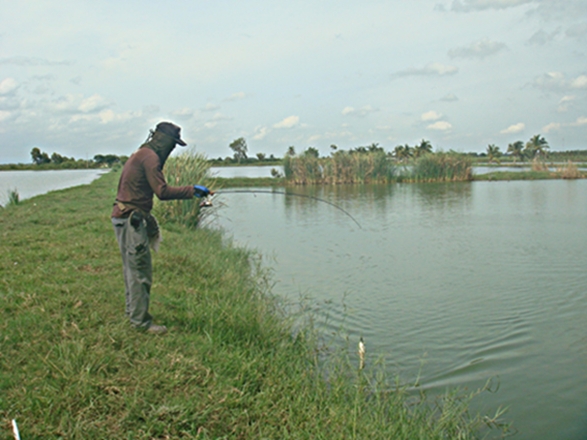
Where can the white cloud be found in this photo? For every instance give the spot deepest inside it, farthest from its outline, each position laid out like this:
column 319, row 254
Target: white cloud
column 363, row 111
column 4, row 115
column 565, row 103
column 289, row 122
column 432, row 69
column 480, row 5
column 515, row 128
column 431, row 116
column 553, row 126
column 451, row 97
column 236, row 96
column 260, row 133
column 479, row 49
column 440, row 126
column 8, row 85
column 91, row 104
column 211, row 107
column 580, row 82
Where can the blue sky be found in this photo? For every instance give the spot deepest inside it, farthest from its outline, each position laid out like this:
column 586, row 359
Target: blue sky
column 82, row 77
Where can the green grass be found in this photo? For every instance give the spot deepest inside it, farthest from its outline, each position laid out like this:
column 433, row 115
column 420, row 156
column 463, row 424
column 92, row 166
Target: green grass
column 233, row 366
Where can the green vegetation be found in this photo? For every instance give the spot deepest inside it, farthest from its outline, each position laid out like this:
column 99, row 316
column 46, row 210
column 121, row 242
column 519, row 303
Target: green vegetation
column 233, row 366
column 441, row 167
column 188, row 168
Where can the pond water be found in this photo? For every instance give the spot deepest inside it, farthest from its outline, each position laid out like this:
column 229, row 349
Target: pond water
column 32, row 183
column 479, row 280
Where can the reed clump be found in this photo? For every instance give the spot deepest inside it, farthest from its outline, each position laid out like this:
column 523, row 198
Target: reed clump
column 441, row 167
column 13, row 197
column 343, row 167
column 188, row 168
column 570, row 171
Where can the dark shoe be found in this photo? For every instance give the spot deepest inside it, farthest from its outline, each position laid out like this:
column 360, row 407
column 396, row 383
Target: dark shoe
column 157, row 329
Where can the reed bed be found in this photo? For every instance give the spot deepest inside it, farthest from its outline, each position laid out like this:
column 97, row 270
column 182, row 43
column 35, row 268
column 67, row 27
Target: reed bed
column 570, row 171
column 343, row 167
column 441, row 167
column 188, row 168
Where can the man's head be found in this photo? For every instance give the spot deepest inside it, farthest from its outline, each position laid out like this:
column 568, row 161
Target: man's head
column 171, row 130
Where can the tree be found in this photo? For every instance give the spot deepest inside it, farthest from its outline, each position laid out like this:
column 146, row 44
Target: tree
column 239, row 146
column 425, row 147
column 260, row 157
column 516, row 150
column 493, row 153
column 291, row 151
column 402, row 152
column 311, row 152
column 39, row 157
column 536, row 146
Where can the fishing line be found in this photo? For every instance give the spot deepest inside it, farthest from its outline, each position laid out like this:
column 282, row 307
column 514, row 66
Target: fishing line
column 283, row 193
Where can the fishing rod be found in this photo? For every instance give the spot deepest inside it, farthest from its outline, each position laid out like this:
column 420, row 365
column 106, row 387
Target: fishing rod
column 283, row 193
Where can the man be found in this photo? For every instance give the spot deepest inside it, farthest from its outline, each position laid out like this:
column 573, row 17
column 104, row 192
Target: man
column 136, row 229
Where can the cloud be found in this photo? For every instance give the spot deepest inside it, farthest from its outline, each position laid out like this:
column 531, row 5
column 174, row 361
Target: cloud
column 580, row 82
column 578, row 30
column 479, row 49
column 565, row 103
column 515, row 128
column 481, row 5
column 557, row 81
column 211, row 107
column 8, row 85
column 553, row 126
column 236, row 96
column 4, row 115
column 451, row 97
column 31, row 62
column 431, row 116
column 260, row 133
column 363, row 111
column 541, row 37
column 440, row 126
column 92, row 104
column 432, row 69
column 289, row 122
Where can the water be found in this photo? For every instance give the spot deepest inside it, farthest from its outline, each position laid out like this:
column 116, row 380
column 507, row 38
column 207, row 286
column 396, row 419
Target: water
column 33, row 183
column 481, row 280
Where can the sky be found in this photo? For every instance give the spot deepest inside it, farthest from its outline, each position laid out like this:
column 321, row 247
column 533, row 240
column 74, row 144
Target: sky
column 87, row 77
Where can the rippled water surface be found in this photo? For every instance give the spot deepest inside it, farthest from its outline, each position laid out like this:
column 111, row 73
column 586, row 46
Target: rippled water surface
column 481, row 280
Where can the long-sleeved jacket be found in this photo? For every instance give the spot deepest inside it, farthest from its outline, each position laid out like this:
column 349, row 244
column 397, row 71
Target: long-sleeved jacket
column 142, row 177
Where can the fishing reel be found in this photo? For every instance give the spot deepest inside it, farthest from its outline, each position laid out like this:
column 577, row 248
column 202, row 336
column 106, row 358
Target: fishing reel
column 206, row 202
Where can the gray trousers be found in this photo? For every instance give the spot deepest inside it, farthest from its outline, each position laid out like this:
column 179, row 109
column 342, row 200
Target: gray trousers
column 137, row 269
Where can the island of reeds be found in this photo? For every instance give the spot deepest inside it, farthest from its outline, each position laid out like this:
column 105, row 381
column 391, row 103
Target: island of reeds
column 233, row 366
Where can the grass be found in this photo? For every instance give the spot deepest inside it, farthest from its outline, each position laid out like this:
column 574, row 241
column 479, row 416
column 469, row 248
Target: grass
column 233, row 366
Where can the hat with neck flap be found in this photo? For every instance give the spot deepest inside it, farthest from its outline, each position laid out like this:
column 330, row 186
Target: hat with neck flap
column 171, row 130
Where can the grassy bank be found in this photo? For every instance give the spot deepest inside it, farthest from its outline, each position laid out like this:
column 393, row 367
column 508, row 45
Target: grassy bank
column 72, row 368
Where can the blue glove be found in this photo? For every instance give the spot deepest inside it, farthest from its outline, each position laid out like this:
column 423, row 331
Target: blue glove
column 201, row 191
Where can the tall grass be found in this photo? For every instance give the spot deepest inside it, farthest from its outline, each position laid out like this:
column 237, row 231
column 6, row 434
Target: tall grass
column 188, row 168
column 343, row 167
column 232, row 367
column 442, row 167
column 13, row 197
column 570, row 171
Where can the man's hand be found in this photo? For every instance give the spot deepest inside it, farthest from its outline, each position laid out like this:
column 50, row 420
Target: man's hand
column 202, row 191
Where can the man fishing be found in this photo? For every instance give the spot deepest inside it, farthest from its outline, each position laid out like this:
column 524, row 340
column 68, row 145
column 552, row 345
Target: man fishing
column 136, row 229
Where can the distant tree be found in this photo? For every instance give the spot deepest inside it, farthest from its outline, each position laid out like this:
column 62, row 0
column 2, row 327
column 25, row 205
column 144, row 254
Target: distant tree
column 425, row 147
column 239, row 146
column 261, row 157
column 333, row 148
column 402, row 152
column 291, row 151
column 39, row 157
column 493, row 153
column 374, row 147
column 536, row 146
column 57, row 158
column 516, row 149
column 311, row 152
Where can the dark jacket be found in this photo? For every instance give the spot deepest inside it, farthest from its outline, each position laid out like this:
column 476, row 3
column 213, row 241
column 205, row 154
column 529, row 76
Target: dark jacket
column 142, row 176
